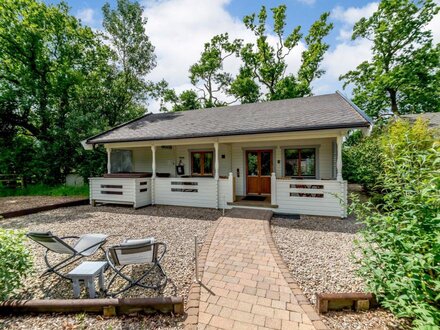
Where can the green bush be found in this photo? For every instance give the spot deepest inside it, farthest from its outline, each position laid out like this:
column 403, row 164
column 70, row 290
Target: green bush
column 362, row 161
column 15, row 261
column 400, row 244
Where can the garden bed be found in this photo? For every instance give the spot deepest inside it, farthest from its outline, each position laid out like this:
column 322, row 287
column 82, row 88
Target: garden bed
column 318, row 253
column 175, row 226
column 17, row 203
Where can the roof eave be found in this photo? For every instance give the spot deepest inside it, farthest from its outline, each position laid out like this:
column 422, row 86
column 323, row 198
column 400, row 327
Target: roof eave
column 303, row 129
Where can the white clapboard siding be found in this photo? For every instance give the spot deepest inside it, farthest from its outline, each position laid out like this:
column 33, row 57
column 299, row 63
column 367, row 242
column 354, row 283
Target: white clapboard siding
column 226, row 192
column 121, row 191
column 333, row 202
column 205, row 194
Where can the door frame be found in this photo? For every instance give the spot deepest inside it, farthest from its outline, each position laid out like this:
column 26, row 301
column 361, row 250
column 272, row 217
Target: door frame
column 245, row 167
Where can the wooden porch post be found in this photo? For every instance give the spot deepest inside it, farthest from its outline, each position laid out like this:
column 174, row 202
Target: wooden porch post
column 339, row 158
column 153, row 175
column 153, row 164
column 216, row 161
column 109, row 164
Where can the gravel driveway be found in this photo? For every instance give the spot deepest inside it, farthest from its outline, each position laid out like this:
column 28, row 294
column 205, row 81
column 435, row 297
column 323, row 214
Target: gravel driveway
column 318, row 252
column 175, row 226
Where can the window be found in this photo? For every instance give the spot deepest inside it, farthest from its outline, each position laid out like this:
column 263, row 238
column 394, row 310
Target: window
column 120, row 161
column 300, row 162
column 201, row 163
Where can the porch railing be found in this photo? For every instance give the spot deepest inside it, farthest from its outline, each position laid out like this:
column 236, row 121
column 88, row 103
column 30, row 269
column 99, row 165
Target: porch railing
column 197, row 192
column 314, row 197
column 135, row 191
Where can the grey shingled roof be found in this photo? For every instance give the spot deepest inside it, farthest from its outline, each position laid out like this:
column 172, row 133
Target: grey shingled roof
column 432, row 117
column 300, row 114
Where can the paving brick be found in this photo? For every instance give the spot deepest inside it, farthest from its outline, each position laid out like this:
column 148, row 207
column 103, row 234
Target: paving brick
column 273, row 323
column 250, row 283
column 221, row 322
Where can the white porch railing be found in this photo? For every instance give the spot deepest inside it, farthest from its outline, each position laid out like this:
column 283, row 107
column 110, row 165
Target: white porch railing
column 226, row 191
column 314, row 197
column 196, row 192
column 135, row 191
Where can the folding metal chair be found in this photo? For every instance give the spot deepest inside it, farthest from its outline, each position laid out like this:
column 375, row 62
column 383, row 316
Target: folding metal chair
column 137, row 252
column 85, row 246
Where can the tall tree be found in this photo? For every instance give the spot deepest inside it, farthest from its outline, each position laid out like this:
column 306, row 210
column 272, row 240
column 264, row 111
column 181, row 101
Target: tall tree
column 266, row 64
column 403, row 75
column 125, row 28
column 208, row 76
column 45, row 54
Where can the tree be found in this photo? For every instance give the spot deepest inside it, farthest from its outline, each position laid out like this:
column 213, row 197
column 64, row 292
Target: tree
column 403, row 75
column 266, row 65
column 170, row 101
column 208, row 71
column 45, row 54
column 135, row 57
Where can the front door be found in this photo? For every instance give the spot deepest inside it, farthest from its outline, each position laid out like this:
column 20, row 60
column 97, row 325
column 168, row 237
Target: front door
column 258, row 171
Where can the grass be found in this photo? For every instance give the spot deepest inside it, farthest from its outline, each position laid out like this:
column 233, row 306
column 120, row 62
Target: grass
column 43, row 190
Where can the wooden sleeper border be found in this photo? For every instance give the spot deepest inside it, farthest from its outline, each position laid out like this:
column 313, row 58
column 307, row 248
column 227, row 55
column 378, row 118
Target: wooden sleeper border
column 109, row 307
column 338, row 301
column 19, row 213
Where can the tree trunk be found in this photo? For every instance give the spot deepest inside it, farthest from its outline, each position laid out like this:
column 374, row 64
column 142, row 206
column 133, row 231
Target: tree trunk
column 393, row 98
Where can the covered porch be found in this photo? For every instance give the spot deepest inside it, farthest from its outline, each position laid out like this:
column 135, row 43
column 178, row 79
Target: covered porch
column 295, row 172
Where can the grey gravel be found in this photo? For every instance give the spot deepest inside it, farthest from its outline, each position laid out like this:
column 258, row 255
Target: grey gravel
column 175, row 226
column 318, row 252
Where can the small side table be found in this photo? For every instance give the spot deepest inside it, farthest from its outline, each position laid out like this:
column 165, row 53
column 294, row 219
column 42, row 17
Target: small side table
column 87, row 271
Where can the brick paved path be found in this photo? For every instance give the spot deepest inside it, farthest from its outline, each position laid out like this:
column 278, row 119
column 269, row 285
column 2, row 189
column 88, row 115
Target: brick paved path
column 243, row 285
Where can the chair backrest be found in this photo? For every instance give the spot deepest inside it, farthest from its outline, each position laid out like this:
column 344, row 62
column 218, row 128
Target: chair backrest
column 141, row 251
column 51, row 242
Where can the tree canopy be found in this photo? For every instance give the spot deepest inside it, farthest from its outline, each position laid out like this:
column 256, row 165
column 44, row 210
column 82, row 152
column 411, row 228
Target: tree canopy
column 403, row 75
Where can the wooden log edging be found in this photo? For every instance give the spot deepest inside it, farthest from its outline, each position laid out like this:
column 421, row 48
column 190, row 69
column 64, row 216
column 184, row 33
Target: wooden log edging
column 107, row 306
column 192, row 306
column 19, row 213
column 338, row 301
column 294, row 287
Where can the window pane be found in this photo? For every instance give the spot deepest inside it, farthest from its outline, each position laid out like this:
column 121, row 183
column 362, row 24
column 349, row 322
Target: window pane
column 208, row 163
column 120, row 161
column 307, row 162
column 196, row 163
column 265, row 162
column 252, row 160
column 291, row 157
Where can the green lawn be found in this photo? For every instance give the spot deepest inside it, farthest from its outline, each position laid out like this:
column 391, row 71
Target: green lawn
column 43, row 190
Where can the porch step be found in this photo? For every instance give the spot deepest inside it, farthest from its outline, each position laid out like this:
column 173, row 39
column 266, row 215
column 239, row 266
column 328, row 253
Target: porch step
column 252, row 204
column 250, row 213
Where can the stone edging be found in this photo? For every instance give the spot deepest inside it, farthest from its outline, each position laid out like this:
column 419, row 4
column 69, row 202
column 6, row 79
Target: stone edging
column 192, row 307
column 296, row 290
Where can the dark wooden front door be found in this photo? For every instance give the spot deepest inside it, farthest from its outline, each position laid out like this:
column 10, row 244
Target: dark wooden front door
column 258, row 171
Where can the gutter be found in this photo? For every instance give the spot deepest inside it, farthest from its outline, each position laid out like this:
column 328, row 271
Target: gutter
column 311, row 128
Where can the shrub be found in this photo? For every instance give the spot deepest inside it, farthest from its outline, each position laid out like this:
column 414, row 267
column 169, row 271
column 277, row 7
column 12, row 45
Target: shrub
column 400, row 244
column 15, row 261
column 362, row 161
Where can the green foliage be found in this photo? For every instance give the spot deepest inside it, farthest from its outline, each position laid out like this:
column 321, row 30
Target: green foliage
column 403, row 75
column 61, row 82
column 43, row 190
column 266, row 66
column 362, row 160
column 16, row 262
column 400, row 246
column 208, row 71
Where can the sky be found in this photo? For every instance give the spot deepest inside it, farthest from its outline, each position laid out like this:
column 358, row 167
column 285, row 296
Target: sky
column 179, row 28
